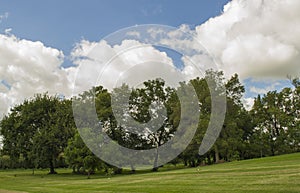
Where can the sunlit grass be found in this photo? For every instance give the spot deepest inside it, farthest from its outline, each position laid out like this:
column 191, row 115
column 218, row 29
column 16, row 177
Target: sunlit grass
column 273, row 174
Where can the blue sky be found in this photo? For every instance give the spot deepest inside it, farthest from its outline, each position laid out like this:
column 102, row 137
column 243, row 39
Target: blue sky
column 61, row 24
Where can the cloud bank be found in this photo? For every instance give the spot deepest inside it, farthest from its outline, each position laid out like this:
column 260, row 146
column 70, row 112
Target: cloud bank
column 129, row 62
column 28, row 67
column 255, row 39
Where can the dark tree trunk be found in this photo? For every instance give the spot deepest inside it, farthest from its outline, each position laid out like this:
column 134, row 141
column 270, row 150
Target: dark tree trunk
column 155, row 164
column 132, row 168
column 52, row 170
column 209, row 159
column 217, row 157
column 199, row 160
column 272, row 148
column 192, row 163
column 272, row 145
column 118, row 171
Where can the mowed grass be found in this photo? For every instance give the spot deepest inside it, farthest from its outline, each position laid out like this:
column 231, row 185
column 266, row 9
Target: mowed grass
column 272, row 174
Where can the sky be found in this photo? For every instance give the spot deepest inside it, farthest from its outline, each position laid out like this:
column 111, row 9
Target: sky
column 62, row 24
column 44, row 44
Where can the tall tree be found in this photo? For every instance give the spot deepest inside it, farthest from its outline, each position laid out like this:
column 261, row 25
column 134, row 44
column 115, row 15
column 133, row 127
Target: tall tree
column 231, row 137
column 159, row 104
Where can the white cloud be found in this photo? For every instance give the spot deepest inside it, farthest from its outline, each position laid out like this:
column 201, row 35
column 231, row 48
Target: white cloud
column 130, row 62
column 252, row 38
column 7, row 31
column 255, row 38
column 27, row 68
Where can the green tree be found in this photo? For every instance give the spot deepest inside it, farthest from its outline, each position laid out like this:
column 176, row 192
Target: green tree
column 276, row 119
column 213, row 80
column 80, row 158
column 38, row 130
column 157, row 105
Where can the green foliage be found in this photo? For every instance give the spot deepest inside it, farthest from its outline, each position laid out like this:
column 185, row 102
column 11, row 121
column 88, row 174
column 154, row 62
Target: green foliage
column 5, row 162
column 38, row 130
column 80, row 158
column 276, row 118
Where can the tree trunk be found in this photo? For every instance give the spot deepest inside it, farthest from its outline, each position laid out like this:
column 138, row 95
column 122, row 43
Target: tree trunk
column 217, row 157
column 209, row 162
column 52, row 171
column 155, row 164
column 89, row 174
column 118, row 170
column 272, row 145
column 132, row 168
column 198, row 163
column 192, row 163
column 272, row 148
column 185, row 162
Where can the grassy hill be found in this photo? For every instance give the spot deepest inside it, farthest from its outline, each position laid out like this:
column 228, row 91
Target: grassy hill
column 272, row 174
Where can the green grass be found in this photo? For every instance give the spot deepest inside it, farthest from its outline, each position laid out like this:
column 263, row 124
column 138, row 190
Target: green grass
column 273, row 174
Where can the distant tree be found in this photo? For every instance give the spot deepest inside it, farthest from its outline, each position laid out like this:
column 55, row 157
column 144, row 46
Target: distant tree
column 276, row 119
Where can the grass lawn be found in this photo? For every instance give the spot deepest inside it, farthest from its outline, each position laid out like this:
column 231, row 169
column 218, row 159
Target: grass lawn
column 273, row 174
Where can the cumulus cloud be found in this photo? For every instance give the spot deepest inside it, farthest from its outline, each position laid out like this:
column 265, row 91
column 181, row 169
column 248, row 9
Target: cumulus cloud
column 255, row 38
column 130, row 62
column 252, row 38
column 28, row 67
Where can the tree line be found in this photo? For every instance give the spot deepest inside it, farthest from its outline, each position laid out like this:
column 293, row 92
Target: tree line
column 41, row 132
